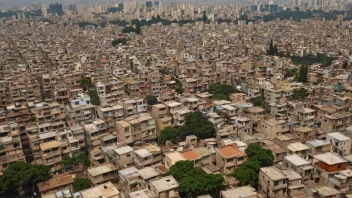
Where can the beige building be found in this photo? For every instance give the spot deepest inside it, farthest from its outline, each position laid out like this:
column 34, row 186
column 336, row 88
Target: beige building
column 272, row 182
column 229, row 158
column 102, row 173
column 164, row 187
column 272, row 128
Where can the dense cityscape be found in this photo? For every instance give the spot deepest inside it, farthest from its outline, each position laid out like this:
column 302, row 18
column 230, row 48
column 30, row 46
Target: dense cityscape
column 176, row 99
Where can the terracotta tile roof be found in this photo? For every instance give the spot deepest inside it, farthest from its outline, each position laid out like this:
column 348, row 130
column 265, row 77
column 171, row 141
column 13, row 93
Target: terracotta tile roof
column 231, row 152
column 57, row 181
column 191, row 155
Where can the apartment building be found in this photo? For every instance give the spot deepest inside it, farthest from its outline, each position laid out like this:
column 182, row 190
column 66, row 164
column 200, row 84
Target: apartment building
column 299, row 165
column 101, row 174
column 273, row 127
column 340, row 143
column 59, row 182
column 305, row 133
column 10, row 147
column 306, row 116
column 140, row 127
column 147, row 155
column 82, row 114
column 105, row 189
column 335, row 122
column 229, row 158
column 164, row 187
column 272, row 182
column 51, row 155
column 298, row 148
column 97, row 135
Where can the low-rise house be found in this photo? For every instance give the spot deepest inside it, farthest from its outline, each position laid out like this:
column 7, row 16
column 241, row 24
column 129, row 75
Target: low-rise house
column 170, row 158
column 146, row 174
column 327, row 165
column 299, row 165
column 340, row 143
column 298, row 149
column 102, row 173
column 272, row 128
column 305, row 133
column 272, row 182
column 57, row 183
column 239, row 192
column 318, row 147
column 103, row 190
column 129, row 177
column 229, row 158
column 164, row 187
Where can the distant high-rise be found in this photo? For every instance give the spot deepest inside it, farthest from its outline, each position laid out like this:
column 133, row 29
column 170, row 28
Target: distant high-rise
column 156, row 3
column 44, row 10
column 56, row 9
column 36, row 6
column 148, row 4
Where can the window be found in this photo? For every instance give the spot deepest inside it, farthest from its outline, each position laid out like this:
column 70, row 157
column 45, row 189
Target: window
column 338, row 165
column 128, row 155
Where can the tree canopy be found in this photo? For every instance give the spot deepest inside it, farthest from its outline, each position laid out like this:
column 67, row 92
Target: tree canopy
column 21, row 174
column 115, row 42
column 303, row 74
column 195, row 124
column 152, row 100
column 195, row 181
column 300, row 94
column 80, row 184
column 258, row 157
column 171, row 134
column 128, row 29
column 75, row 160
column 221, row 91
column 257, row 101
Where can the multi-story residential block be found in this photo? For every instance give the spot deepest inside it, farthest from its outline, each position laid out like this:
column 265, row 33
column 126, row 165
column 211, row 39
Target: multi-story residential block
column 102, row 174
column 299, row 149
column 147, row 155
column 272, row 128
column 57, row 183
column 272, row 182
column 305, row 133
column 229, row 158
column 10, row 147
column 340, row 143
column 300, row 166
column 164, row 187
column 336, row 122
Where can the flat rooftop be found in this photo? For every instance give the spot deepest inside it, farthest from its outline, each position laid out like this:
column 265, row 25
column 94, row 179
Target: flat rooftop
column 273, row 173
column 101, row 169
column 164, row 184
column 330, row 158
column 104, row 190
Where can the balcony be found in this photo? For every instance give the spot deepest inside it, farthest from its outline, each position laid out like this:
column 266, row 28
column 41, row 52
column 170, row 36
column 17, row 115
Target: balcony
column 280, row 186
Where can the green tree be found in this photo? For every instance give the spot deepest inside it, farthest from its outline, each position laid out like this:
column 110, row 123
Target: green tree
column 180, row 169
column 128, row 29
column 169, row 133
column 138, row 27
column 85, row 83
column 33, row 118
column 195, row 181
column 115, row 42
column 257, row 157
column 221, row 91
column 300, row 94
column 257, row 101
column 75, row 160
column 205, row 18
column 152, row 100
column 198, row 125
column 247, row 173
column 21, row 174
column 80, row 184
column 303, row 74
column 263, row 156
